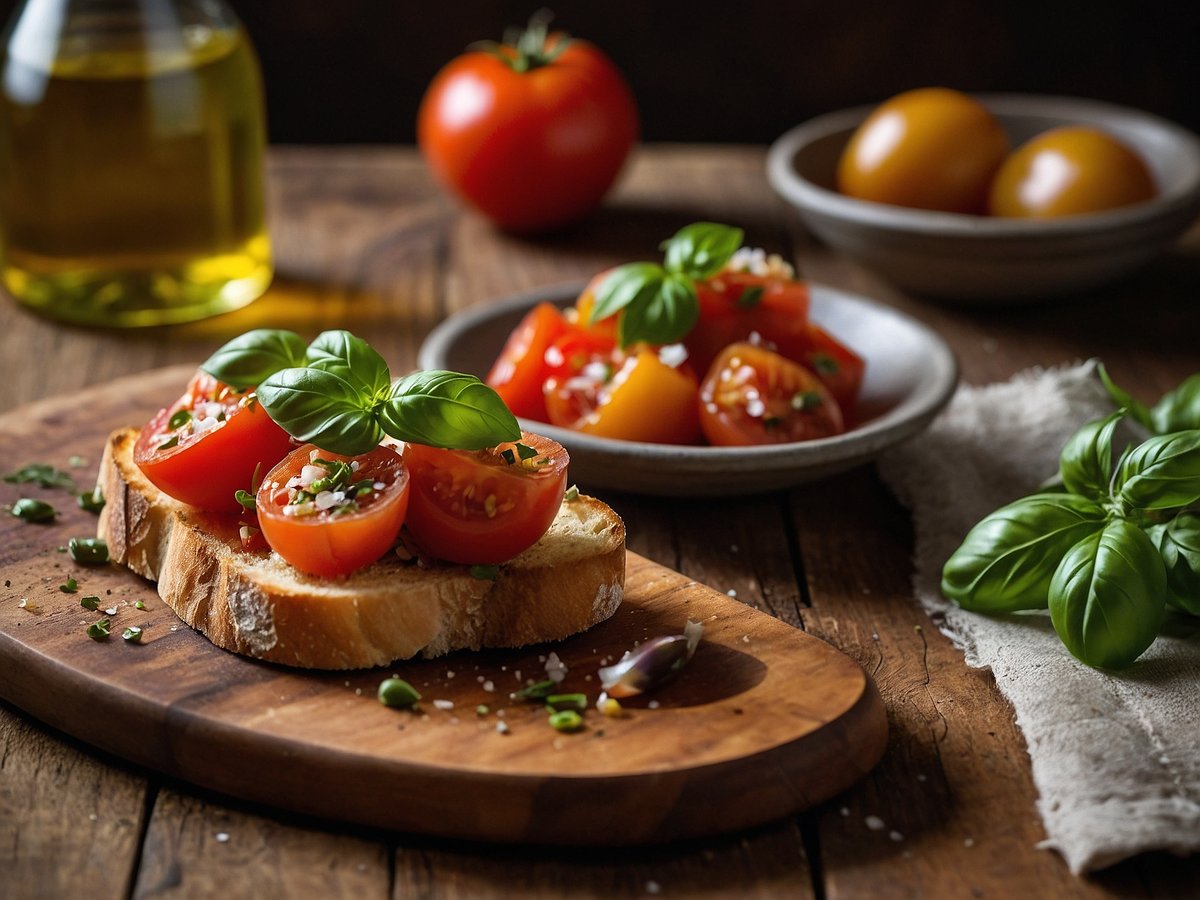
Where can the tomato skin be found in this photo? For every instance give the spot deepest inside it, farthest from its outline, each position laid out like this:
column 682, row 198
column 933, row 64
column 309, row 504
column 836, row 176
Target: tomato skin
column 779, row 316
column 1069, row 171
column 530, row 150
column 644, row 400
column 449, row 510
column 747, row 398
column 331, row 545
column 207, row 469
column 930, row 148
column 519, row 371
column 840, row 369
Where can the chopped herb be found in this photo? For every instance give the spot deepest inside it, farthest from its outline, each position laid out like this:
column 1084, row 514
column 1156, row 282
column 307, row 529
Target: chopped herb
column 172, row 441
column 98, row 631
column 824, row 364
column 398, row 693
column 32, row 510
column 89, row 602
column 485, row 573
column 179, row 418
column 366, row 486
column 566, row 720
column 137, row 605
column 770, row 423
column 538, row 691
column 76, row 462
column 750, row 297
column 89, row 551
column 802, row 400
column 133, row 634
column 70, row 587
column 245, row 498
column 558, row 702
column 525, row 451
column 482, row 710
column 91, row 502
column 43, row 475
column 572, row 493
column 508, row 456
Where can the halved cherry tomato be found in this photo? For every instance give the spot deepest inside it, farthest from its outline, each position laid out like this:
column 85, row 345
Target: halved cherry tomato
column 519, row 371
column 634, row 397
column 328, row 514
column 839, row 368
column 484, row 506
column 754, row 396
column 736, row 305
column 208, row 445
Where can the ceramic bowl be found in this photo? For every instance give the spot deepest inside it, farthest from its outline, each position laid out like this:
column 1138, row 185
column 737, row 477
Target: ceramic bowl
column 984, row 259
column 910, row 375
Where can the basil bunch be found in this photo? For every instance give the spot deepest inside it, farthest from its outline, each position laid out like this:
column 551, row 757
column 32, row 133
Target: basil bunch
column 657, row 303
column 338, row 393
column 1112, row 549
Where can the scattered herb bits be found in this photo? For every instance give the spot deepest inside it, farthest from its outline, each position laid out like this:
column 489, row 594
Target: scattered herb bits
column 89, row 551
column 91, row 501
column 485, row 573
column 398, row 693
column 42, row 475
column 558, row 702
column 566, row 720
column 539, row 690
column 571, row 494
column 132, row 634
column 90, row 602
column 31, row 510
column 70, row 587
column 98, row 631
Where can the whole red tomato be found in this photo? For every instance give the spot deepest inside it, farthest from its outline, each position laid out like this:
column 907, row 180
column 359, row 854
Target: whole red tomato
column 531, row 132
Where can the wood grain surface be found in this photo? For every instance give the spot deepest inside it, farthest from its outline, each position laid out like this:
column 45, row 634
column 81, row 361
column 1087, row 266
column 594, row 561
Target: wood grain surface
column 365, row 241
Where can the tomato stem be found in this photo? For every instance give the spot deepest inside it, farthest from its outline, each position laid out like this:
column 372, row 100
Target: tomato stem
column 527, row 49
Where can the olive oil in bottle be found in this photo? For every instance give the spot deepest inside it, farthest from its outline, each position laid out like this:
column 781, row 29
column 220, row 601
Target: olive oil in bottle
column 131, row 161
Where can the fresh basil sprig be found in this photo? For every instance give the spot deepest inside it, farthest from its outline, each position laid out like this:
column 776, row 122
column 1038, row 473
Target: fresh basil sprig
column 1177, row 410
column 1107, row 553
column 657, row 303
column 338, row 393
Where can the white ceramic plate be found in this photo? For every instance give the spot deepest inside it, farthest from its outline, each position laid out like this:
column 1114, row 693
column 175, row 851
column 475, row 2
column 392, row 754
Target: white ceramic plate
column 910, row 376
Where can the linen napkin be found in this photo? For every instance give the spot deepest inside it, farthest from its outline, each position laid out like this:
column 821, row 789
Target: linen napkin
column 1115, row 755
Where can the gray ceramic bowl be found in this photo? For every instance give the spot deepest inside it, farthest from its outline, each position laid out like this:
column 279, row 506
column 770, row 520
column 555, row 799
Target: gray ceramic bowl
column 910, row 376
column 982, row 259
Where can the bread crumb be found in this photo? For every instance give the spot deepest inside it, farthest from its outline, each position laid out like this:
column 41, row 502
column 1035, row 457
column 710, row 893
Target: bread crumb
column 222, row 837
column 489, row 686
column 502, row 728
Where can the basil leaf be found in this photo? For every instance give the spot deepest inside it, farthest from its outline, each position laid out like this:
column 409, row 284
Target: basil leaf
column 663, row 317
column 352, row 359
column 701, row 249
column 1179, row 545
column 1178, row 410
column 1122, row 399
column 253, row 357
column 1006, row 561
column 625, row 285
column 1107, row 596
column 447, row 409
column 1086, row 460
column 322, row 408
column 1162, row 472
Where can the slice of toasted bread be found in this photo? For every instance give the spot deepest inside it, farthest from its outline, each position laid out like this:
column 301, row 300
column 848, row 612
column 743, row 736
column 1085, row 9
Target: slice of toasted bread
column 258, row 605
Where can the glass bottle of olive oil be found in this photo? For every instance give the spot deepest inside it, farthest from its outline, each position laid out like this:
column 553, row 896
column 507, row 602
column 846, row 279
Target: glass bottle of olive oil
column 131, row 161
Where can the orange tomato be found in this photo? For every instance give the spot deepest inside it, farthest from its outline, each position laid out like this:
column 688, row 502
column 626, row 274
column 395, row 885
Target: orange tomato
column 931, row 148
column 356, row 530
column 755, row 396
column 519, row 371
column 635, row 398
column 1067, row 171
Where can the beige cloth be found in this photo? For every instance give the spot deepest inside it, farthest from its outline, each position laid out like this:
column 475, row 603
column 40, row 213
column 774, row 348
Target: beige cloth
column 1115, row 756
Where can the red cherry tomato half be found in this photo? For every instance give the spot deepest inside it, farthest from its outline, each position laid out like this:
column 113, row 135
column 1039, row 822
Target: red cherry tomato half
column 532, row 141
column 480, row 507
column 736, row 305
column 519, row 371
column 208, row 445
column 754, row 396
column 839, row 368
column 634, row 397
column 328, row 514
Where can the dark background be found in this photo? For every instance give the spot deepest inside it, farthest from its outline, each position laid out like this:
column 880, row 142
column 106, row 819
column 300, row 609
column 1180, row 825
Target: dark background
column 354, row 70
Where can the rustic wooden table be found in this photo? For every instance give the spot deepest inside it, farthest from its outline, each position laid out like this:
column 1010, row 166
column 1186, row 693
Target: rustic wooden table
column 366, row 242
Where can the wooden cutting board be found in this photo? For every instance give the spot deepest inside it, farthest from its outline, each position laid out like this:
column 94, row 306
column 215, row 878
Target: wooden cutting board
column 765, row 721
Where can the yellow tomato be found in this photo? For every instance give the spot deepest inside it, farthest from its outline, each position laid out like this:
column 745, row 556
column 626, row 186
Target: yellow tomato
column 1067, row 171
column 932, row 148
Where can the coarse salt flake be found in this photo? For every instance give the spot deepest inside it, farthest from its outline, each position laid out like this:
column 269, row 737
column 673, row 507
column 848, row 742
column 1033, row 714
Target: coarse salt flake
column 444, row 704
column 874, row 823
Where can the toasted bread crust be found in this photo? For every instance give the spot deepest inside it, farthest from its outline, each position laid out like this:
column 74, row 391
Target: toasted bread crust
column 257, row 605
